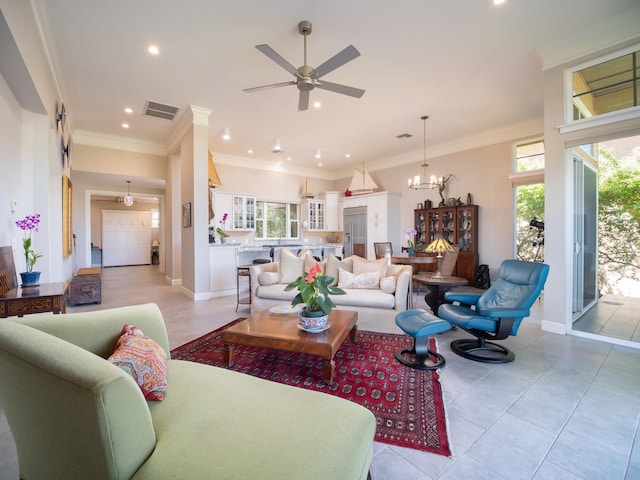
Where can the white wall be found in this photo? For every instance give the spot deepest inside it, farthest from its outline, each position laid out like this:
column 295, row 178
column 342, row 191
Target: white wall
column 483, row 172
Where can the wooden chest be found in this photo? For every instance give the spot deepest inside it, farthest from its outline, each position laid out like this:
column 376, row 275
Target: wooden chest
column 86, row 287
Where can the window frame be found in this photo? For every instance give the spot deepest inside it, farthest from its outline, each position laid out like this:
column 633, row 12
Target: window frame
column 572, row 125
column 289, row 207
column 520, row 179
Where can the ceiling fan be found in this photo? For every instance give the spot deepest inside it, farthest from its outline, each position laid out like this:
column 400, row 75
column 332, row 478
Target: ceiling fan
column 308, row 78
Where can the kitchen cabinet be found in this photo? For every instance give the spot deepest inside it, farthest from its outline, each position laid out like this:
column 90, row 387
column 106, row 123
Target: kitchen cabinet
column 243, row 215
column 331, row 200
column 457, row 225
column 314, row 214
column 222, row 269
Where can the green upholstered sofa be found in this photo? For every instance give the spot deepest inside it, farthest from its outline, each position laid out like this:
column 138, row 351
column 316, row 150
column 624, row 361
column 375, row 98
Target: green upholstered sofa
column 75, row 415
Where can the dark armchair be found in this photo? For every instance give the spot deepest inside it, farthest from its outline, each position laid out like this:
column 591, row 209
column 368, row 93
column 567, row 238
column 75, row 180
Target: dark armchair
column 497, row 313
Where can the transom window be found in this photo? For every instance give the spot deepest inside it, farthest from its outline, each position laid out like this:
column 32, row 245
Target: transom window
column 607, row 86
column 529, row 156
column 277, row 220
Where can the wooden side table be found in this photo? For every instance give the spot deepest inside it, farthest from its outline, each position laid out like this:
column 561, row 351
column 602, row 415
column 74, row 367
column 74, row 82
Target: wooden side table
column 437, row 287
column 242, row 271
column 47, row 297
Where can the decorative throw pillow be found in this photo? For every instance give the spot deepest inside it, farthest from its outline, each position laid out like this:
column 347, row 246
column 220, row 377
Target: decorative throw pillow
column 333, row 265
column 291, row 267
column 362, row 281
column 268, row 278
column 388, row 284
column 362, row 265
column 143, row 359
column 309, row 261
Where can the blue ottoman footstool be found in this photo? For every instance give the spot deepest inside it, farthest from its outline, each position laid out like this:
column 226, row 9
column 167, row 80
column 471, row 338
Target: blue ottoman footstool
column 420, row 324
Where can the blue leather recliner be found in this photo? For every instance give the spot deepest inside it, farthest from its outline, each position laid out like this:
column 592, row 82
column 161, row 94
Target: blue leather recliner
column 497, row 313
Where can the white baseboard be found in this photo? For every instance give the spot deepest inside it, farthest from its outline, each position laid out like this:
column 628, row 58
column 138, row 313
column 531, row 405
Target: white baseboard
column 554, row 327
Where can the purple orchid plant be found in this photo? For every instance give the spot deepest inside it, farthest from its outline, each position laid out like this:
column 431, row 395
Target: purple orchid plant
column 28, row 225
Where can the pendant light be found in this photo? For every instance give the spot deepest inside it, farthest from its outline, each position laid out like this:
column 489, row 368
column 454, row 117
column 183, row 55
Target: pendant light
column 426, row 181
column 128, row 199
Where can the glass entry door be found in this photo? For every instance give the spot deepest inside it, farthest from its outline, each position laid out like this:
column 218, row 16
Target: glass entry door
column 585, row 231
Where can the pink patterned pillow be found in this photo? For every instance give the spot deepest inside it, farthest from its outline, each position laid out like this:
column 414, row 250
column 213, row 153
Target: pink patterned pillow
column 143, row 359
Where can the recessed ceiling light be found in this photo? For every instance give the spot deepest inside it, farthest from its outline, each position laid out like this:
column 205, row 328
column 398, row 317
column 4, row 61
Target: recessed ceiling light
column 249, row 151
column 317, row 105
column 225, row 134
column 320, row 164
column 125, row 125
column 318, row 154
column 498, row 2
column 153, row 50
column 128, row 110
column 348, row 155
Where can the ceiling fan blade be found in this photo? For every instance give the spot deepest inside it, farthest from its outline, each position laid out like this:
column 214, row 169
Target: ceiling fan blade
column 276, row 57
column 268, row 87
column 343, row 89
column 336, row 61
column 303, row 101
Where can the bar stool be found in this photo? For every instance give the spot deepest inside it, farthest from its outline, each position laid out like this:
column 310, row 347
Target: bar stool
column 242, row 271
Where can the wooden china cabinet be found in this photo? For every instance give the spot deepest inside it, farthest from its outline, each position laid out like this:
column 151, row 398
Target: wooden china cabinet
column 458, row 226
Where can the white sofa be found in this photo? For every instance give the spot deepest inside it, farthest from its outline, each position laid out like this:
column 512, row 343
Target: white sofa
column 374, row 305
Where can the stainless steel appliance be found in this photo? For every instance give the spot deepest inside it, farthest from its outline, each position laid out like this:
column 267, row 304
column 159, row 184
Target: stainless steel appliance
column 355, row 231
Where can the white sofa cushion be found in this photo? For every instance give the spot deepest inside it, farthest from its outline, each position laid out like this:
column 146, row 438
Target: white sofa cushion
column 291, row 266
column 372, row 297
column 362, row 265
column 388, row 284
column 269, row 278
column 276, row 292
column 364, row 280
column 334, row 265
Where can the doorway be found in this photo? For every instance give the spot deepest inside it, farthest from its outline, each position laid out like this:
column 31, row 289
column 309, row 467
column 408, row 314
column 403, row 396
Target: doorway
column 606, row 255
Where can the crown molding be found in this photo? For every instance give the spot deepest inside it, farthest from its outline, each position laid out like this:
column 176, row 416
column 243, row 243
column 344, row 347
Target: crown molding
column 95, row 139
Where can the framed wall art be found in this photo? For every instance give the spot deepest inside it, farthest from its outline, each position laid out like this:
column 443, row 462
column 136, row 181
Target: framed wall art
column 67, row 230
column 186, row 215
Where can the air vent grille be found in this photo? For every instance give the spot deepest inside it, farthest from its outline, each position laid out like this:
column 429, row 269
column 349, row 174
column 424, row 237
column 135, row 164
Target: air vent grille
column 160, row 110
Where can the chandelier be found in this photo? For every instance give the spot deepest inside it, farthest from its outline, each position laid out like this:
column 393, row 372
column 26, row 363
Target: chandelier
column 430, row 181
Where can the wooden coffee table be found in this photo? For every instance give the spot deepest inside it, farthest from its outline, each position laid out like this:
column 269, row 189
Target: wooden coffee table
column 281, row 332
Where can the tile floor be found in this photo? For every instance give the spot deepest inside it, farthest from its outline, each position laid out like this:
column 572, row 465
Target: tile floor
column 616, row 316
column 566, row 408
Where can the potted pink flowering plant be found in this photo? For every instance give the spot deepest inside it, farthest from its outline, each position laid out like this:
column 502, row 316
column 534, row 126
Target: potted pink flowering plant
column 28, row 225
column 313, row 290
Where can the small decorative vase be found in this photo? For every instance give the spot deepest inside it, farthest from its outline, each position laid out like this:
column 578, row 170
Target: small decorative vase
column 223, row 239
column 411, row 252
column 313, row 320
column 30, row 279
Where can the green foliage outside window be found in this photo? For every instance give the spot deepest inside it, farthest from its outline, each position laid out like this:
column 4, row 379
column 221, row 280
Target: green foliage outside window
column 618, row 219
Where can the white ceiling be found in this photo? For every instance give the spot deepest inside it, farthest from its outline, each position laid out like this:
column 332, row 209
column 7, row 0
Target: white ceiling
column 473, row 67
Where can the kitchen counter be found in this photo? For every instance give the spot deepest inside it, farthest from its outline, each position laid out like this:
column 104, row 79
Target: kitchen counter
column 244, row 248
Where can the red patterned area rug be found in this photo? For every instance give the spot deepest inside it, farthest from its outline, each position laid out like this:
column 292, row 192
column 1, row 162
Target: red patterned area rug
column 406, row 402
